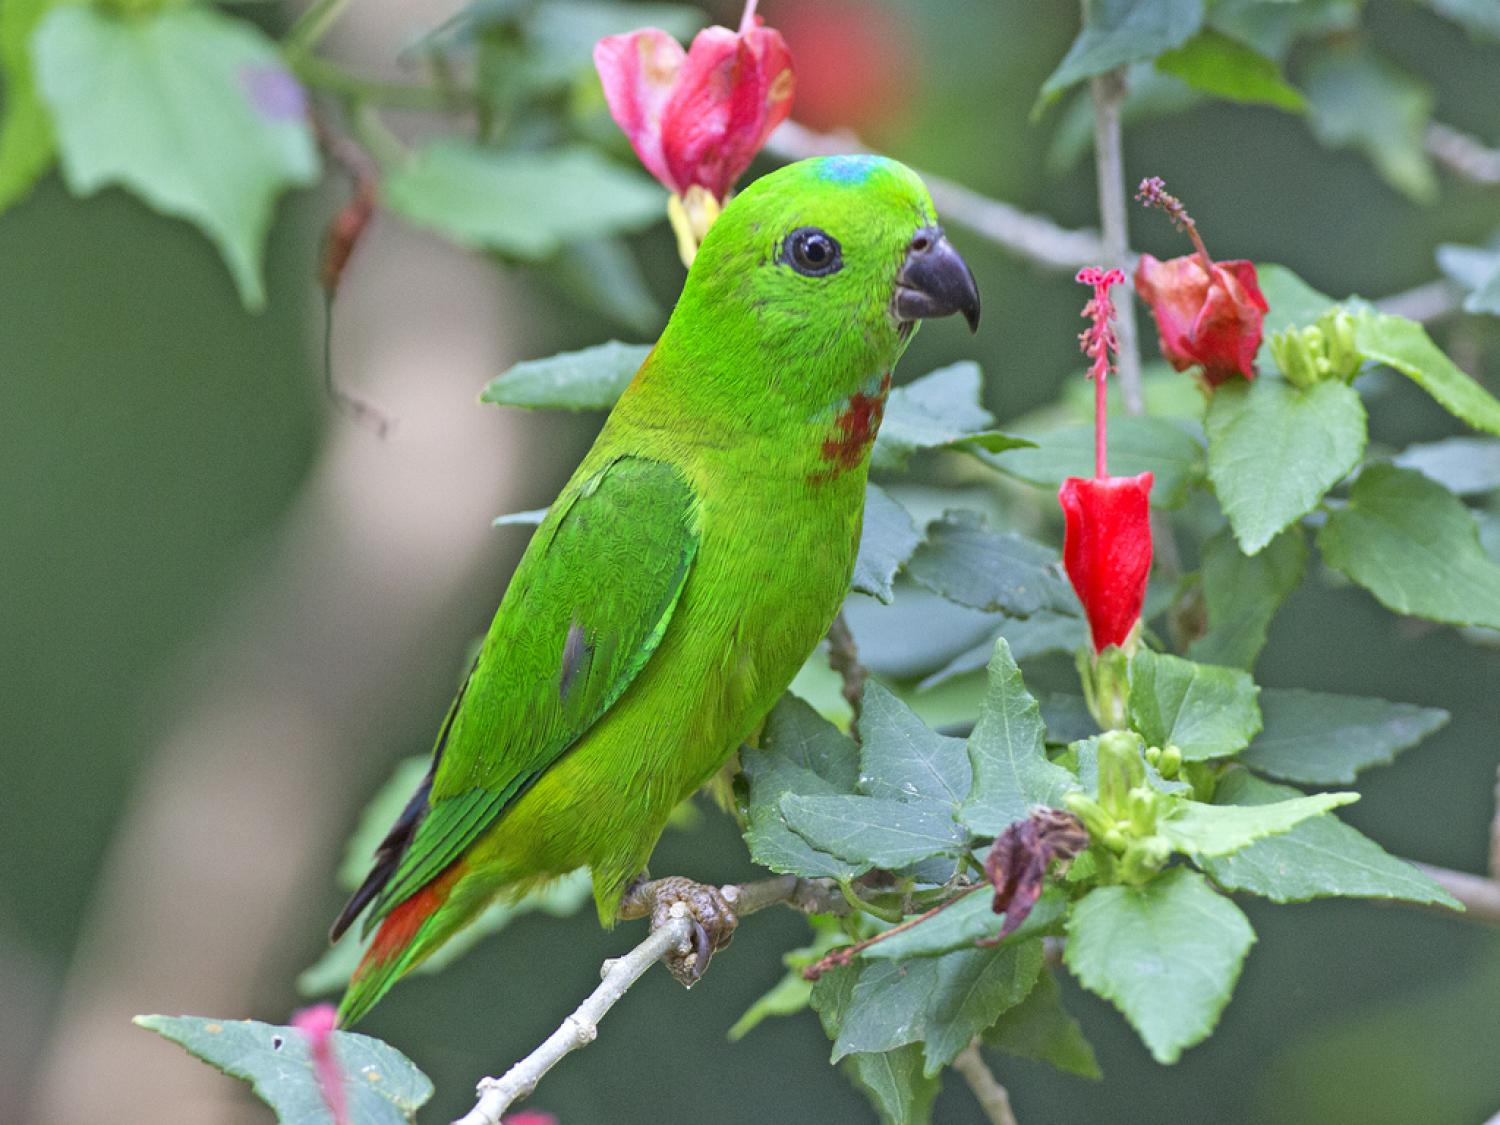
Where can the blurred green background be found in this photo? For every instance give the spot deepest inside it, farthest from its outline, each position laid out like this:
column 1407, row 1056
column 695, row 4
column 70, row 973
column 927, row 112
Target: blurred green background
column 226, row 611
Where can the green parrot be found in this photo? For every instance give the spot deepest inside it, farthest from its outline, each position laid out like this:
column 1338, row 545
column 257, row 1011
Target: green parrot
column 689, row 567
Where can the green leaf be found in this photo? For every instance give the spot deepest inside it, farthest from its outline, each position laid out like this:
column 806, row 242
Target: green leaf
column 382, row 1085
column 1414, row 546
column 903, row 759
column 793, row 992
column 888, row 1007
column 1274, row 449
column 523, row 204
column 1357, row 99
column 886, row 540
column 1216, row 64
column 189, row 109
column 1242, row 594
column 968, row 920
column 1204, row 710
column 1167, row 955
column 602, row 275
column 529, row 518
column 1466, row 466
column 1117, row 32
column 894, row 1082
column 1293, row 303
column 1039, row 1028
column 1321, row 739
column 1136, row 445
column 1207, row 831
column 872, row 831
column 966, row 562
column 26, row 142
column 1320, row 857
column 941, row 410
column 591, row 379
column 1008, row 752
column 974, row 989
column 800, row 753
column 1042, row 632
column 1405, row 345
column 1477, row 269
column 378, row 816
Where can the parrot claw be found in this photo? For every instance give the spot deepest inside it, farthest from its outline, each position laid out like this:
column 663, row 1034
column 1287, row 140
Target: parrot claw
column 710, row 909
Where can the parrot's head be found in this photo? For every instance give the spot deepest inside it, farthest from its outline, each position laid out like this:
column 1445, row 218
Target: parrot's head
column 816, row 275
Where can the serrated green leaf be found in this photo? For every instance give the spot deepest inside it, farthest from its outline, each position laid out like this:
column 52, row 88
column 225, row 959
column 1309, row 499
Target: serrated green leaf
column 1477, row 269
column 1216, row 64
column 895, row 1084
column 1318, row 858
column 941, row 410
column 189, row 109
column 964, row 561
column 382, row 1085
column 1414, row 545
column 1358, row 99
column 1039, row 1028
column 524, row 204
column 888, row 1006
column 591, row 379
column 968, row 920
column 1242, row 593
column 904, row 759
column 1117, row 32
column 800, row 752
column 26, row 142
column 1465, row 466
column 1136, row 445
column 1042, row 632
column 872, row 831
column 1321, row 739
column 1204, row 710
column 1293, row 303
column 1208, row 831
column 886, row 540
column 1404, row 345
column 1167, row 955
column 1275, row 449
column 1008, row 752
column 974, row 988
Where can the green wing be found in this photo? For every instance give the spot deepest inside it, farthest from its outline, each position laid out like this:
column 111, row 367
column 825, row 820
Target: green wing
column 586, row 608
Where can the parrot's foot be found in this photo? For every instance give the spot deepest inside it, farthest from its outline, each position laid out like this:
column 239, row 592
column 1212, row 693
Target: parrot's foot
column 711, row 910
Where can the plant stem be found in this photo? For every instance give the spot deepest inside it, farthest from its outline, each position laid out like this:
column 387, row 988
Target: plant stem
column 1108, row 92
column 844, row 954
column 843, row 658
column 988, row 1092
column 321, row 74
column 311, row 26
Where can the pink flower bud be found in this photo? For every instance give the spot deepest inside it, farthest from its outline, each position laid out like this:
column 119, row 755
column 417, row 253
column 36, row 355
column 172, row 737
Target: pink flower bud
column 1206, row 315
column 697, row 116
column 317, row 1024
column 1107, row 551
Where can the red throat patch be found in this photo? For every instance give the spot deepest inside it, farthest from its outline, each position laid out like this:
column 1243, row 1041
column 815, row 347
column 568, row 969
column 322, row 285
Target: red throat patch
column 855, row 427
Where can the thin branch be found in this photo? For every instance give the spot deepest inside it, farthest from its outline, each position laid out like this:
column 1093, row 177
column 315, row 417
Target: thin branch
column 1463, row 155
column 1037, row 239
column 1480, row 896
column 581, row 1028
column 988, row 1092
column 1108, row 92
column 843, row 658
column 840, row 957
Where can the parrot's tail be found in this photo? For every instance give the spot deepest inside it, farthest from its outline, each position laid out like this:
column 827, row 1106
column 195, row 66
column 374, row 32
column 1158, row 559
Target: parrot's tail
column 406, row 937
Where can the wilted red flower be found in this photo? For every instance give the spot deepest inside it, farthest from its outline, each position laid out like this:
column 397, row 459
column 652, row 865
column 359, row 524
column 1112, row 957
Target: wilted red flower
column 1207, row 315
column 317, row 1024
column 698, row 117
column 867, row 62
column 1107, row 551
column 1019, row 859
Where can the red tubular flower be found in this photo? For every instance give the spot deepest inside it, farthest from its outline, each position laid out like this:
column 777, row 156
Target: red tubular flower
column 698, row 117
column 1107, row 551
column 1209, row 316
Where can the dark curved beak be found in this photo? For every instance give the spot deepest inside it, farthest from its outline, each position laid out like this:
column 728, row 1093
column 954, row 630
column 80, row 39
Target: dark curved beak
column 934, row 281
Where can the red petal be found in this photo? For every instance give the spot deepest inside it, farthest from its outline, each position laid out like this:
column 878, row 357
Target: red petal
column 1175, row 290
column 1107, row 550
column 1227, row 332
column 639, row 72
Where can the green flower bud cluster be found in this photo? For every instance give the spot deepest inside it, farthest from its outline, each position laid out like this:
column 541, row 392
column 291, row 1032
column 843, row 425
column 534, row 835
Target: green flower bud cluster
column 1320, row 351
column 1122, row 818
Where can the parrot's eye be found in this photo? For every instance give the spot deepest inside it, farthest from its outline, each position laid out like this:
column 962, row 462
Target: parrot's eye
column 812, row 252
